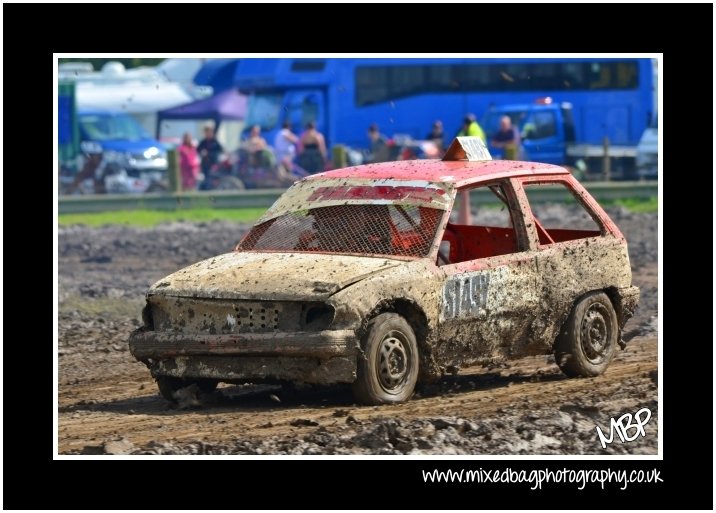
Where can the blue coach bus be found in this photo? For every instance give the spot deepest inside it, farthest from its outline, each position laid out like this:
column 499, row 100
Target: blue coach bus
column 609, row 97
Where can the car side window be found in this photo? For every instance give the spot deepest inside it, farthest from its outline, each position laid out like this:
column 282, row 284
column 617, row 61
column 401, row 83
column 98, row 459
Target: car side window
column 563, row 221
column 488, row 230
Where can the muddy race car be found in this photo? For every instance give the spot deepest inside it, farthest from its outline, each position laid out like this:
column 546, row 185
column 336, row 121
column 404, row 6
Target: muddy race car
column 375, row 275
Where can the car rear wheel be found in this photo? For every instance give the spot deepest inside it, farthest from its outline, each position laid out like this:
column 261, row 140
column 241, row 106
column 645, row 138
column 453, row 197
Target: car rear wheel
column 389, row 370
column 588, row 340
column 169, row 386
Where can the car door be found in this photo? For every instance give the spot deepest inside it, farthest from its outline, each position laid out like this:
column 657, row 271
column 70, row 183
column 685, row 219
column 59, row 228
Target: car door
column 489, row 290
column 578, row 250
column 543, row 137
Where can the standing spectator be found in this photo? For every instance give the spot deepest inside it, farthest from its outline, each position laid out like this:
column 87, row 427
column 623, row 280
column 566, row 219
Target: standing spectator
column 285, row 145
column 209, row 150
column 437, row 135
column 470, row 128
column 255, row 145
column 188, row 163
column 379, row 151
column 312, row 149
column 507, row 138
column 256, row 142
column 259, row 156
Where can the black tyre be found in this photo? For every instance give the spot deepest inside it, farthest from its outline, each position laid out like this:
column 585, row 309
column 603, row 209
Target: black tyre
column 588, row 339
column 168, row 386
column 389, row 371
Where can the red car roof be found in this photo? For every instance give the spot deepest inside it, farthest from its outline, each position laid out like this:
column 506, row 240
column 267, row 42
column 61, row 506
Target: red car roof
column 459, row 173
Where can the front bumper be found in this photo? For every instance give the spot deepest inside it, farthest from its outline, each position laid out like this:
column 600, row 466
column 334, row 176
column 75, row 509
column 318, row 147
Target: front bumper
column 242, row 369
column 323, row 357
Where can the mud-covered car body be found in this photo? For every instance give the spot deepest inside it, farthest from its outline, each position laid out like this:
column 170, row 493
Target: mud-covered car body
column 294, row 301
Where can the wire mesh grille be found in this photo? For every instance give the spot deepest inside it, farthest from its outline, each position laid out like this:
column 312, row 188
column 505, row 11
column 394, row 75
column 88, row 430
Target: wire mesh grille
column 396, row 230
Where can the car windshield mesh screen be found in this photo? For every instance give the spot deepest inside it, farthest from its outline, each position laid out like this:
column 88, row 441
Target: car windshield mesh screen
column 391, row 230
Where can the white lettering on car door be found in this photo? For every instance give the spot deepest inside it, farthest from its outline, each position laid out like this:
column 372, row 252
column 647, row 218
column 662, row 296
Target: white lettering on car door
column 465, row 295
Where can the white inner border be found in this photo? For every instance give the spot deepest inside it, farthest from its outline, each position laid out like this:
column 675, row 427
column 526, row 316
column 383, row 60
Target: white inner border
column 55, row 442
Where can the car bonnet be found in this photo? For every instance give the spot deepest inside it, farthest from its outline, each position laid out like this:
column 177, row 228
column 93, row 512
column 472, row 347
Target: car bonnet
column 270, row 276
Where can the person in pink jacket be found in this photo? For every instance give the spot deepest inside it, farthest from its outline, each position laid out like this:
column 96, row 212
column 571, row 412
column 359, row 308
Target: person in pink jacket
column 188, row 163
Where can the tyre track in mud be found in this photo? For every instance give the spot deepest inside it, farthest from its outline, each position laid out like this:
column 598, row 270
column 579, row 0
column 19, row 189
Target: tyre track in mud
column 108, row 403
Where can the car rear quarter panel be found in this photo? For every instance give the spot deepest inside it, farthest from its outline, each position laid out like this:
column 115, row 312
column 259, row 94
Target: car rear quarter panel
column 568, row 270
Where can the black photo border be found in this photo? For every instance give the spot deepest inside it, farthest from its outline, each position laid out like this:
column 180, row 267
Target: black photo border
column 420, row 28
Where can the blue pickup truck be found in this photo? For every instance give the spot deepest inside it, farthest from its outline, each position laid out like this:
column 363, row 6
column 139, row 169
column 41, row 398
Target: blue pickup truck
column 131, row 160
column 554, row 133
column 123, row 141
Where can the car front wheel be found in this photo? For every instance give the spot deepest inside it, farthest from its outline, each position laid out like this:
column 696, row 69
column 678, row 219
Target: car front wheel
column 588, row 339
column 388, row 370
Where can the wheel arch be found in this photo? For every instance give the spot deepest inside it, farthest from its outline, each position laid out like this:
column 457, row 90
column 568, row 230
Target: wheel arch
column 414, row 314
column 613, row 295
column 575, row 358
column 623, row 314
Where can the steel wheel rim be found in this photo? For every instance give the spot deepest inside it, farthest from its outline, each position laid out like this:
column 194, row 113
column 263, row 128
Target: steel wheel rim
column 394, row 361
column 595, row 333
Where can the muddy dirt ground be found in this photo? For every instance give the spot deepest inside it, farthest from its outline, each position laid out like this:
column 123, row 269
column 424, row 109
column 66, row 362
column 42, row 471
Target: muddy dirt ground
column 108, row 403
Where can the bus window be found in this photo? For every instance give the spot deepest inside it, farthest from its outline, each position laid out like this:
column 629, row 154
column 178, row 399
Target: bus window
column 545, row 76
column 371, row 85
column 440, row 78
column 573, row 75
column 476, row 78
column 375, row 84
column 626, row 75
column 600, row 75
column 514, row 77
column 612, row 75
column 406, row 80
